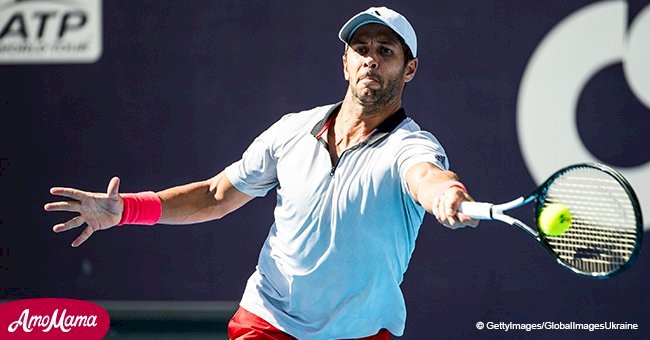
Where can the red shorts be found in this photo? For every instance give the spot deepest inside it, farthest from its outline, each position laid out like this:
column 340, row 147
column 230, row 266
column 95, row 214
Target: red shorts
column 245, row 325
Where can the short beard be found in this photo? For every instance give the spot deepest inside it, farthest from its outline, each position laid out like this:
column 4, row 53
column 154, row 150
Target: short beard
column 378, row 99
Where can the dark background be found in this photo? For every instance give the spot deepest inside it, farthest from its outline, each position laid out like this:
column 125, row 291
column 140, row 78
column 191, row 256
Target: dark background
column 182, row 88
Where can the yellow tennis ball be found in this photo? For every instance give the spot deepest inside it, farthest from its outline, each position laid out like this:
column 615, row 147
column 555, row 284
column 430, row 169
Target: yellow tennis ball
column 554, row 219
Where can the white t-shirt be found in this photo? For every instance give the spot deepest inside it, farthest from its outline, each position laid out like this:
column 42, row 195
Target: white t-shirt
column 343, row 235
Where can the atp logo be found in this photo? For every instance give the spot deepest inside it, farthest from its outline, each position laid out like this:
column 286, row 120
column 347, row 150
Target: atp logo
column 50, row 31
column 572, row 53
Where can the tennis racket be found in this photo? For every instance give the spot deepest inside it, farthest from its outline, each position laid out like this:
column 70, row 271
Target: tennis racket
column 606, row 227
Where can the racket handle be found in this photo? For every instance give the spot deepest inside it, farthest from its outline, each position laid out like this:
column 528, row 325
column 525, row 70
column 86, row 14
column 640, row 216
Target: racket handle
column 476, row 210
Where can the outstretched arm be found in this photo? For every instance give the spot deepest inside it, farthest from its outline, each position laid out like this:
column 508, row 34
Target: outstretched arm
column 427, row 185
column 191, row 203
column 201, row 201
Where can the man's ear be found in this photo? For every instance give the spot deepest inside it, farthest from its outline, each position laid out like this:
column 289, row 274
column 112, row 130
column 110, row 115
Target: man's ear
column 410, row 69
column 346, row 74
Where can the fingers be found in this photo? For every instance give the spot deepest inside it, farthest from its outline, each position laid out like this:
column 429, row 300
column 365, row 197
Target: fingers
column 71, row 224
column 453, row 223
column 446, row 211
column 467, row 220
column 88, row 231
column 113, row 187
column 63, row 206
column 441, row 210
column 438, row 210
column 450, row 210
column 68, row 192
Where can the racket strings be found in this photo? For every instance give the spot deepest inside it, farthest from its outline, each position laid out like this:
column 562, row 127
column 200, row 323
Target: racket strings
column 603, row 233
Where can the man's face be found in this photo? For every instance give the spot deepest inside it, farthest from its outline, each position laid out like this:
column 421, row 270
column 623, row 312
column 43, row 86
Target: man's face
column 374, row 65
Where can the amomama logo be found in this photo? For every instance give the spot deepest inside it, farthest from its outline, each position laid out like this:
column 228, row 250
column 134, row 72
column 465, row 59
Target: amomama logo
column 50, row 31
column 52, row 318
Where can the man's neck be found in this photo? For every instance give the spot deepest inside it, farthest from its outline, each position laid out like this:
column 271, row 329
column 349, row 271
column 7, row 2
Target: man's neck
column 354, row 123
column 355, row 119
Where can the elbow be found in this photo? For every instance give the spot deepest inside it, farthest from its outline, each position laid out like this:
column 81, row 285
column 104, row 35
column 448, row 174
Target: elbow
column 219, row 208
column 218, row 214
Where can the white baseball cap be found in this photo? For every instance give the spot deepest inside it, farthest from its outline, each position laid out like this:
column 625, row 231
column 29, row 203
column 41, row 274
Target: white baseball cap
column 384, row 16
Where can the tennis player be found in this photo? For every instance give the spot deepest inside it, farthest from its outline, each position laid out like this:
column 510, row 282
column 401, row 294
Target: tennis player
column 353, row 181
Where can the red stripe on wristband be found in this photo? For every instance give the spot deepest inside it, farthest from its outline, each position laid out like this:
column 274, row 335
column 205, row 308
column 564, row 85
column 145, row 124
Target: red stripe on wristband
column 441, row 188
column 141, row 208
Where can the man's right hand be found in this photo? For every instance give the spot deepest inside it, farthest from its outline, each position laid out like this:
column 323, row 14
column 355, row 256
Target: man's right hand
column 97, row 210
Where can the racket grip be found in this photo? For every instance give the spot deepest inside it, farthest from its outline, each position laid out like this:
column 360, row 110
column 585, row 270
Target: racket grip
column 476, row 210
